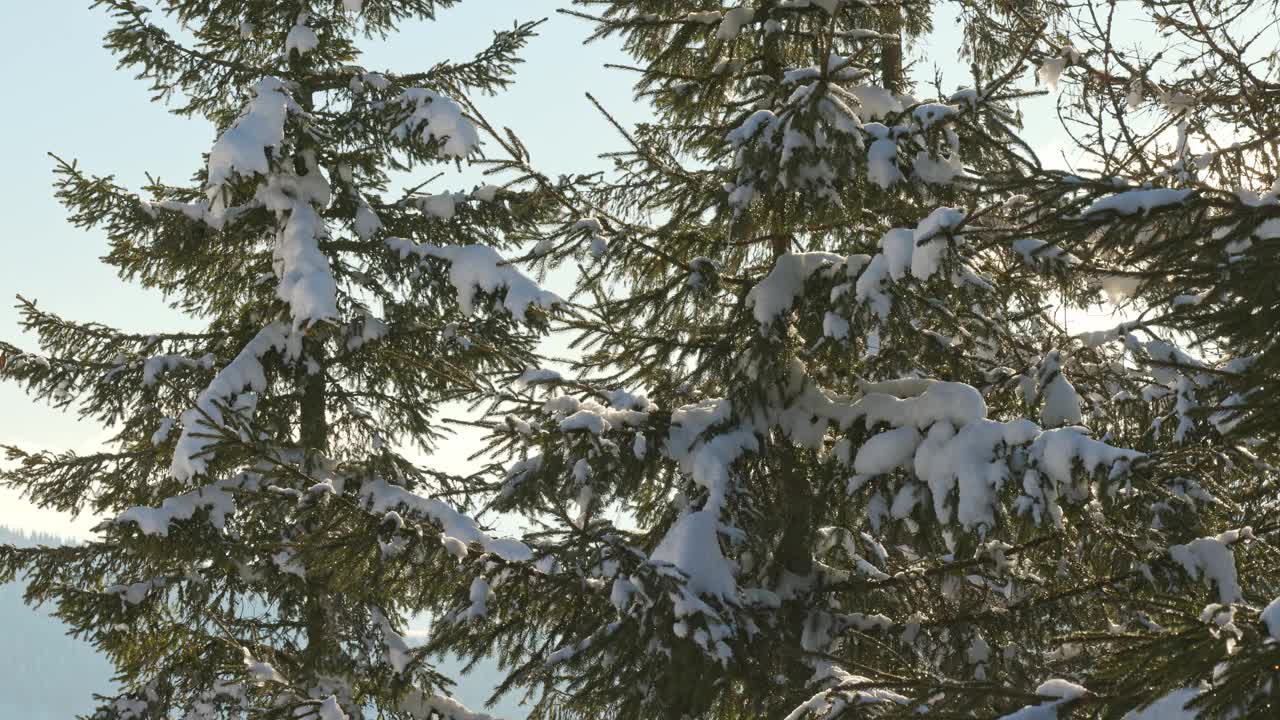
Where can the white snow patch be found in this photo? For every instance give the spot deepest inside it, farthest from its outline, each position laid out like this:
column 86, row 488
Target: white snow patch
column 875, row 102
column 1271, row 618
column 1213, row 557
column 382, row 497
column 242, row 379
column 329, row 709
column 1061, row 401
column 396, row 649
column 1170, row 707
column 887, row 451
column 882, row 156
column 155, row 521
column 692, row 546
column 1134, row 201
column 733, row 22
column 306, row 281
column 926, row 258
column 301, row 38
column 441, row 120
column 478, row 267
column 242, row 148
column 774, row 295
column 1055, row 688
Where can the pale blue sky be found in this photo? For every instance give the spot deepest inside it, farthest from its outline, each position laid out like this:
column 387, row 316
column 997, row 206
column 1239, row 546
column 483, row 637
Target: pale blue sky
column 66, row 96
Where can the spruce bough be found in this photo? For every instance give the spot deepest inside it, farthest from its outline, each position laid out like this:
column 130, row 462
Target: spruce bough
column 823, row 448
column 268, row 538
column 827, row 450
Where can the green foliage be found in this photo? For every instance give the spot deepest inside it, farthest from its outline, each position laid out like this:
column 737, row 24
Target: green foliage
column 825, row 448
column 257, row 583
column 860, row 594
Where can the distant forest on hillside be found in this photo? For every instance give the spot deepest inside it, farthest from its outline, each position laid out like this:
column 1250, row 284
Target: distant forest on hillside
column 44, row 673
column 47, row 675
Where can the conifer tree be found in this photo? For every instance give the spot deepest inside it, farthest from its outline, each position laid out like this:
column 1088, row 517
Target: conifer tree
column 825, row 450
column 1173, row 211
column 829, row 450
column 267, row 537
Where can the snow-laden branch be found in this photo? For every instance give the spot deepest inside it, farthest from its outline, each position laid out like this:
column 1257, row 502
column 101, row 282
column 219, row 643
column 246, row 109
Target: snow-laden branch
column 480, row 268
column 235, row 387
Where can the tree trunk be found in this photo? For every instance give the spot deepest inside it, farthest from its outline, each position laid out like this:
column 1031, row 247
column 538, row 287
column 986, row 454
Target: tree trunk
column 794, row 548
column 891, row 53
column 313, row 435
column 313, row 431
column 313, row 426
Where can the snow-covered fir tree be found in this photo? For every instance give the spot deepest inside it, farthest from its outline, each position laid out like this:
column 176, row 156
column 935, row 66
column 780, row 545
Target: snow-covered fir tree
column 830, row 448
column 827, row 447
column 1174, row 211
column 267, row 536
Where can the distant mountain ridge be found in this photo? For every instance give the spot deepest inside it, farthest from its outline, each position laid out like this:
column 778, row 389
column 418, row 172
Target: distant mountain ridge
column 45, row 674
